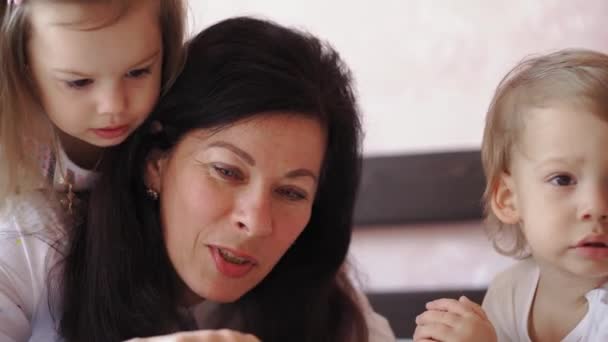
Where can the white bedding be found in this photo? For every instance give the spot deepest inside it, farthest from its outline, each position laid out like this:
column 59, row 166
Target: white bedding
column 439, row 256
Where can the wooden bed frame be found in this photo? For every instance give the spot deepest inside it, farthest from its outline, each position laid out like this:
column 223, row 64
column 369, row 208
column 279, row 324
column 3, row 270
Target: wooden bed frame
column 427, row 187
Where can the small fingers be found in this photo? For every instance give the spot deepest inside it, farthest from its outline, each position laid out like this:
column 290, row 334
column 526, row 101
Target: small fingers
column 476, row 308
column 432, row 332
column 447, row 318
column 451, row 305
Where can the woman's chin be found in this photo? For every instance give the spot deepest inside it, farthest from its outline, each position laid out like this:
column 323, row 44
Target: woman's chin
column 220, row 294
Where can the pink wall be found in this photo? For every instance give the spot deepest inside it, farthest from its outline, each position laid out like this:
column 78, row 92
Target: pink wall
column 426, row 69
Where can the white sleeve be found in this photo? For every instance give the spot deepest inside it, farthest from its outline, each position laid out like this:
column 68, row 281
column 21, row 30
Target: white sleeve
column 22, row 267
column 508, row 300
column 378, row 327
column 14, row 321
column 495, row 306
column 16, row 302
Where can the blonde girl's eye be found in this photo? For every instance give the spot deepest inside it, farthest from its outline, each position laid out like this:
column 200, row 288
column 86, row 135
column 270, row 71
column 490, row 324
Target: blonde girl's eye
column 79, row 84
column 139, row 73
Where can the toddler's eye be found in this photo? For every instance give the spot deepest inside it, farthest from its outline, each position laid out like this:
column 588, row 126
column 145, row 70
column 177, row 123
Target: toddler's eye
column 562, row 180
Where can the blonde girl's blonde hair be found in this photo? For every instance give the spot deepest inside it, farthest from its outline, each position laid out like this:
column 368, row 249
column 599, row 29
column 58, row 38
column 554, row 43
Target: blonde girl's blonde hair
column 23, row 125
column 571, row 77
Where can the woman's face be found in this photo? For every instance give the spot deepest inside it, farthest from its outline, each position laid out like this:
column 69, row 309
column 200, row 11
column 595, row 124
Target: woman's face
column 233, row 201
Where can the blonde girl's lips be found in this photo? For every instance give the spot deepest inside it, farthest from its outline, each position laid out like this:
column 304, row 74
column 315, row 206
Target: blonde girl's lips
column 111, row 132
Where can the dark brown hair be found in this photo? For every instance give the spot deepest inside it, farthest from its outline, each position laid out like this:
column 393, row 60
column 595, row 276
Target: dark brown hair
column 118, row 280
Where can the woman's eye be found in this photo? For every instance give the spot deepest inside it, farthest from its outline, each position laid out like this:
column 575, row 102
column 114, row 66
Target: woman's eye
column 227, row 172
column 137, row 73
column 79, row 84
column 562, row 180
column 292, row 194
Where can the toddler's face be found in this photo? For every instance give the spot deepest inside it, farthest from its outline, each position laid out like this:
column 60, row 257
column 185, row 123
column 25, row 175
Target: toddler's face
column 559, row 179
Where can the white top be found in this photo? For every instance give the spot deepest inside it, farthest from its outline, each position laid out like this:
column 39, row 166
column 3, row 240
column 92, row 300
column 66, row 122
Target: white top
column 28, row 227
column 509, row 300
column 59, row 169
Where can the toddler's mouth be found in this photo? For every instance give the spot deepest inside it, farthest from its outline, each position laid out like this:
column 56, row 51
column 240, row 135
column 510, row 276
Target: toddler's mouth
column 593, row 247
column 593, row 244
column 593, row 241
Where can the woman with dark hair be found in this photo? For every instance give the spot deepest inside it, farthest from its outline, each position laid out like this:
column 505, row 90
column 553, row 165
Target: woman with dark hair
column 231, row 207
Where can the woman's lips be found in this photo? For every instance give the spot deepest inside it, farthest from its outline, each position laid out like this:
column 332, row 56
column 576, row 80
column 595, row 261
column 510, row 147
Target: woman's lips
column 231, row 263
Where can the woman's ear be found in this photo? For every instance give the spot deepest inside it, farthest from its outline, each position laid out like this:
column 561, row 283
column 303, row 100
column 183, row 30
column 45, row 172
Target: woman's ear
column 155, row 165
column 504, row 200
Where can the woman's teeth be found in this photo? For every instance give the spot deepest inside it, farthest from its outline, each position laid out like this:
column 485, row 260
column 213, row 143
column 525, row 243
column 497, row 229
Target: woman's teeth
column 226, row 255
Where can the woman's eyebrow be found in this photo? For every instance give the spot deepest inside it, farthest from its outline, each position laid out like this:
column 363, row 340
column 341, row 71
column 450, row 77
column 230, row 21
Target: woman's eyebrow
column 302, row 173
column 249, row 159
column 244, row 155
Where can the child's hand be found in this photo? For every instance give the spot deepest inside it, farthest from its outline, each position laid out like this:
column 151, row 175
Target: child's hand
column 450, row 320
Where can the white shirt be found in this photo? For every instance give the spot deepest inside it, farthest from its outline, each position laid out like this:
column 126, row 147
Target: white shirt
column 28, row 229
column 58, row 169
column 509, row 299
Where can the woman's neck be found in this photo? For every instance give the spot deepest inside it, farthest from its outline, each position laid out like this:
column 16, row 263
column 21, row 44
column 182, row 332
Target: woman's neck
column 81, row 153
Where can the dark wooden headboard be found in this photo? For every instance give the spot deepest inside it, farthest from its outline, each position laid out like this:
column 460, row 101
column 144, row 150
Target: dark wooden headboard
column 404, row 189
column 443, row 186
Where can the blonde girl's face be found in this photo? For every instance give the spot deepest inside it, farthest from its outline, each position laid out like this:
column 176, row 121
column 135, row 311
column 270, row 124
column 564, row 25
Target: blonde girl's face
column 97, row 76
column 559, row 190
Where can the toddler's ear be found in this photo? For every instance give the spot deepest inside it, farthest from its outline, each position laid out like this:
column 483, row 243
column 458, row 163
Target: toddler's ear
column 503, row 200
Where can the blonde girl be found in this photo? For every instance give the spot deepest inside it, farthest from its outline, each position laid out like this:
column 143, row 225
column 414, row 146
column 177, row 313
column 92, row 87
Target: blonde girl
column 76, row 77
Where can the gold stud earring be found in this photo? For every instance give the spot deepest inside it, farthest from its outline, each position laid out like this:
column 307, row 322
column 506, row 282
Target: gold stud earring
column 152, row 194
